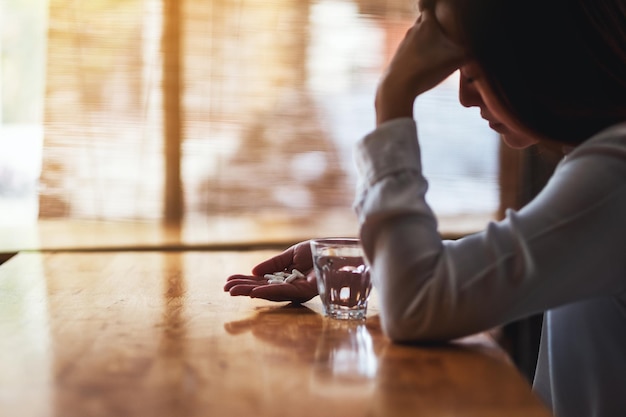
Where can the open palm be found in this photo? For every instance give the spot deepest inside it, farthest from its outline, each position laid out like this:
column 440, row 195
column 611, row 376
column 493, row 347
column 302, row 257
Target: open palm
column 256, row 286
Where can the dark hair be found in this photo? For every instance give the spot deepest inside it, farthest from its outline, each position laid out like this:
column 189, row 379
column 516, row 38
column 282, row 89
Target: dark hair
column 558, row 66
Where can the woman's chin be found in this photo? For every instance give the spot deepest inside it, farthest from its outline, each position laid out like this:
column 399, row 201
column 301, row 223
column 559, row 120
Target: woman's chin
column 516, row 141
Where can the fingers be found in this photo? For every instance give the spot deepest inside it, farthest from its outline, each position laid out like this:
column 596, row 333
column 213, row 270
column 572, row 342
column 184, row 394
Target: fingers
column 242, row 289
column 298, row 291
column 241, row 276
column 446, row 43
column 244, row 281
column 271, row 292
column 302, row 257
column 242, row 285
column 296, row 257
column 277, row 263
column 282, row 292
column 275, row 292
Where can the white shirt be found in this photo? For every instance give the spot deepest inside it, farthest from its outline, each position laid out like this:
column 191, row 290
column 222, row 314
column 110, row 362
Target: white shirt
column 564, row 253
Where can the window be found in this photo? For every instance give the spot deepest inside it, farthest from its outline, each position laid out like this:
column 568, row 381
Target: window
column 22, row 64
column 220, row 108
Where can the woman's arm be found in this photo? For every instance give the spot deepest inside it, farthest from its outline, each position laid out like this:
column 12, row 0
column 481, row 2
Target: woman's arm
column 564, row 246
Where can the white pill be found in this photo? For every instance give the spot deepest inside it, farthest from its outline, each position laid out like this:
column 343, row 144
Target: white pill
column 269, row 276
column 276, row 277
column 291, row 278
column 297, row 273
column 275, row 281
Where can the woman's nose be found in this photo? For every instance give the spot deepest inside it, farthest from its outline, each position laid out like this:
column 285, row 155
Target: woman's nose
column 468, row 95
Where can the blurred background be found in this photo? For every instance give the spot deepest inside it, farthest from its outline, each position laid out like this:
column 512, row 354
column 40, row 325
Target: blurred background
column 233, row 118
column 152, row 110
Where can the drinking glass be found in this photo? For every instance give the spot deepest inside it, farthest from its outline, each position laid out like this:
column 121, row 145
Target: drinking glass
column 343, row 278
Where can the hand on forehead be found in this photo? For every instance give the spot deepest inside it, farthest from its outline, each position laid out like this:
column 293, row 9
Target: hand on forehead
column 443, row 13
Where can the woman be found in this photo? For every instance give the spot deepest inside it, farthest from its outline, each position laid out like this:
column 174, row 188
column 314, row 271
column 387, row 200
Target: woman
column 541, row 71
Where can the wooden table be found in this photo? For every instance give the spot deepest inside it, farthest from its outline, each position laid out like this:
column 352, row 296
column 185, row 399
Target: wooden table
column 152, row 334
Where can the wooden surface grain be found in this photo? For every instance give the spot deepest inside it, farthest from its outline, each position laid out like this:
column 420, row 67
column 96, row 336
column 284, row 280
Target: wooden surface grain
column 153, row 334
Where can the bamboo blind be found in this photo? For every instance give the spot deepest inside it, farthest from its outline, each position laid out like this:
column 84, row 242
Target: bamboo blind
column 160, row 109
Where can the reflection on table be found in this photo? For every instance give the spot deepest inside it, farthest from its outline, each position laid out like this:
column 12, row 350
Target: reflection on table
column 153, row 334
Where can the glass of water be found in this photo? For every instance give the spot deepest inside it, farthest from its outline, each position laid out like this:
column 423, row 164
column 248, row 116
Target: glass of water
column 343, row 278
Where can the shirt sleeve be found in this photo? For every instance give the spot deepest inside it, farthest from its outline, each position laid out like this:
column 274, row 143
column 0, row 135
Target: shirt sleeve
column 566, row 245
